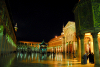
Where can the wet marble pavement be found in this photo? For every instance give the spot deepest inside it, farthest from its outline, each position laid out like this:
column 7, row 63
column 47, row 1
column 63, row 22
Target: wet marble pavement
column 41, row 60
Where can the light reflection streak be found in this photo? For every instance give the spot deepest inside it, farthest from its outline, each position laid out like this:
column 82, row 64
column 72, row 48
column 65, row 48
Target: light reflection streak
column 21, row 55
column 28, row 57
column 32, row 56
column 68, row 63
column 25, row 56
column 9, row 60
column 38, row 57
column 17, row 55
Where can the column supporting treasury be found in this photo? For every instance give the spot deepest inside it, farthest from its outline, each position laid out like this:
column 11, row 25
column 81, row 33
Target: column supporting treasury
column 78, row 50
column 96, row 47
column 82, row 48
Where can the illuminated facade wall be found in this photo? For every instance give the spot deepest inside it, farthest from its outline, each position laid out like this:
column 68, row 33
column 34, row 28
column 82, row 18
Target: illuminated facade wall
column 7, row 33
column 70, row 37
column 28, row 46
column 55, row 44
column 66, row 42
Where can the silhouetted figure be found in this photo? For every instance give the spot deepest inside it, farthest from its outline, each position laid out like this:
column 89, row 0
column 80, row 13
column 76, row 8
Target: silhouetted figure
column 85, row 58
column 90, row 57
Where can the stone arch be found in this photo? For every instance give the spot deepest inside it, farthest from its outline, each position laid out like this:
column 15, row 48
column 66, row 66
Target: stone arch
column 87, row 44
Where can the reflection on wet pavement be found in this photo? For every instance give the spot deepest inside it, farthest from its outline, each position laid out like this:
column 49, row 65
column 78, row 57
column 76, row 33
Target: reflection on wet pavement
column 40, row 60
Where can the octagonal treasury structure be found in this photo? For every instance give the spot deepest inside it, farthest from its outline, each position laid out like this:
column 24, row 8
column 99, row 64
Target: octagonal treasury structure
column 43, row 47
column 87, row 20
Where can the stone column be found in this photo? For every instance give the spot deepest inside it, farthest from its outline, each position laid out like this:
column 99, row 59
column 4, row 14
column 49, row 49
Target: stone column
column 6, row 44
column 6, row 47
column 10, row 47
column 3, row 50
column 72, row 47
column 78, row 50
column 1, row 39
column 60, row 48
column 65, row 47
column 68, row 47
column 96, row 48
column 63, row 44
column 82, row 47
column 56, row 49
column 52, row 49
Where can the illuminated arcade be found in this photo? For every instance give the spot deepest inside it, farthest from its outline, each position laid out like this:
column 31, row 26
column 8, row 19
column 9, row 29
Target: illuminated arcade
column 7, row 32
column 29, row 46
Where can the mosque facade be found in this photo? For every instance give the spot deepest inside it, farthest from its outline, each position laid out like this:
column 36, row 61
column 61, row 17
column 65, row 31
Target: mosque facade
column 66, row 42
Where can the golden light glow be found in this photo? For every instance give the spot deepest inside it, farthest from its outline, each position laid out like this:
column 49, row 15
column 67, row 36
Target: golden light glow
column 99, row 33
column 87, row 33
column 55, row 36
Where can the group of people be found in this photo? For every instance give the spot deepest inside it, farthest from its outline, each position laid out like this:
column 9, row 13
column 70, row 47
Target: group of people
column 90, row 56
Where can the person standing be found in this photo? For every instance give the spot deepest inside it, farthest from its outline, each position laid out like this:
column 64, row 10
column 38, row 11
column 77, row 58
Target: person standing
column 90, row 57
column 87, row 54
column 85, row 58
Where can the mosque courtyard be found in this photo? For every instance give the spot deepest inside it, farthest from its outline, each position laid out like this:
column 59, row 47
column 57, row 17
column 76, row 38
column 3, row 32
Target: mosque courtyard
column 41, row 60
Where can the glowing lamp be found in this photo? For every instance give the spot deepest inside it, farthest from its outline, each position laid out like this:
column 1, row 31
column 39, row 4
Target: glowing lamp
column 55, row 36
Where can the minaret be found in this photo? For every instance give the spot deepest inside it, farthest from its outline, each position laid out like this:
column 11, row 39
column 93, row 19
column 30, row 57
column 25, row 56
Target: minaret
column 62, row 29
column 16, row 27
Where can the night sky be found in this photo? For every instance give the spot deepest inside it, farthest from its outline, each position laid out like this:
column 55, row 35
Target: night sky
column 42, row 19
